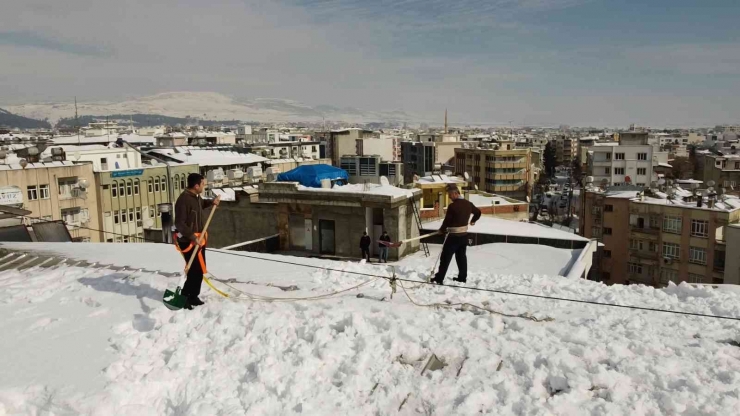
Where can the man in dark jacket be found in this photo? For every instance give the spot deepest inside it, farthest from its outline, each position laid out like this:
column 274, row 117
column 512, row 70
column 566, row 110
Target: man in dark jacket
column 383, row 248
column 365, row 245
column 456, row 242
column 189, row 221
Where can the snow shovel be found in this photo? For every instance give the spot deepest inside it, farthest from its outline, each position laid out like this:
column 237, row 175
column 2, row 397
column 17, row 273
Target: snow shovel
column 175, row 300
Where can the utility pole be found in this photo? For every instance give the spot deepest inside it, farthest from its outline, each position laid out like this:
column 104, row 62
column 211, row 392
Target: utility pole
column 77, row 123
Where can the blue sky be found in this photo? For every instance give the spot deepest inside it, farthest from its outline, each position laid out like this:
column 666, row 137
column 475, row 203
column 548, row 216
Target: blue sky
column 547, row 62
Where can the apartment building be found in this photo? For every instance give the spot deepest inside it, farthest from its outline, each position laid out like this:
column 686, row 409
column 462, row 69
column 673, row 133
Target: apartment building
column 425, row 157
column 129, row 198
column 506, row 171
column 370, row 168
column 566, row 149
column 388, row 149
column 53, row 191
column 618, row 164
column 344, row 143
column 653, row 238
column 723, row 170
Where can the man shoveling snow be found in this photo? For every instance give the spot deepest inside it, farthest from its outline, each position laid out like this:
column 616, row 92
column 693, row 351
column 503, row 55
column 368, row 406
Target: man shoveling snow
column 191, row 240
column 456, row 241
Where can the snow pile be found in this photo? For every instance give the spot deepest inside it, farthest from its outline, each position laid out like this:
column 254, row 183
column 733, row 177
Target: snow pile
column 94, row 341
column 368, row 188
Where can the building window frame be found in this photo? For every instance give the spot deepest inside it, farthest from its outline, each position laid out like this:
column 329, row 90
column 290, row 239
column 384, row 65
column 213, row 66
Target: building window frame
column 114, row 190
column 671, row 250
column 642, row 156
column 642, row 171
column 44, row 191
column 136, row 186
column 150, row 185
column 698, row 255
column 672, row 224
column 32, row 193
column 699, row 228
column 618, row 156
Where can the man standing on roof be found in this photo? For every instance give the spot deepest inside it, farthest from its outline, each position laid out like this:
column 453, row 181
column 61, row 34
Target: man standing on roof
column 365, row 245
column 455, row 225
column 189, row 221
column 385, row 239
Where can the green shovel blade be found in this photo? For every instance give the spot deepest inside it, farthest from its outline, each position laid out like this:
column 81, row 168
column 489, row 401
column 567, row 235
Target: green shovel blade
column 173, row 300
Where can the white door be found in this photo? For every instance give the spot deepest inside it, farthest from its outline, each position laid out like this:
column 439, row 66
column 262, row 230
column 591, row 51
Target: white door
column 309, row 234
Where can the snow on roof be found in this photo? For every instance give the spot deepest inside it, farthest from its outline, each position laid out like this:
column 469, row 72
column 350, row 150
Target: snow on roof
column 131, row 138
column 117, row 350
column 369, row 189
column 482, row 200
column 440, row 179
column 498, row 226
column 665, row 165
column 689, row 181
column 209, row 157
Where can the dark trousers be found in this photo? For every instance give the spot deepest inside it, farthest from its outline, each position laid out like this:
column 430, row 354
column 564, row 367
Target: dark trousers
column 195, row 274
column 365, row 253
column 455, row 244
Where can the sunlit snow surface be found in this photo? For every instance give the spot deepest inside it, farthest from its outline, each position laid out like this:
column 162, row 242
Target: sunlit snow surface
column 96, row 341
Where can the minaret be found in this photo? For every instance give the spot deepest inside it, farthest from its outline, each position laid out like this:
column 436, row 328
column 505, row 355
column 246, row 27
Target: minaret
column 445, row 121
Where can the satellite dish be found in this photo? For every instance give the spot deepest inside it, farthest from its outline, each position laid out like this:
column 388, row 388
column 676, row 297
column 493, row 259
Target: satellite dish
column 76, row 156
column 149, row 223
column 466, row 175
column 589, row 179
column 23, row 163
column 661, row 181
column 529, row 199
column 83, row 183
column 384, row 181
column 711, row 183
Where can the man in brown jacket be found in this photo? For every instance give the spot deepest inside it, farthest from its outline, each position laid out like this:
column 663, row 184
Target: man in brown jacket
column 189, row 221
column 456, row 242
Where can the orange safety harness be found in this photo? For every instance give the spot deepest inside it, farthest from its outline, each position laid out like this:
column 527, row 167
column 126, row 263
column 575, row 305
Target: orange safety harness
column 190, row 247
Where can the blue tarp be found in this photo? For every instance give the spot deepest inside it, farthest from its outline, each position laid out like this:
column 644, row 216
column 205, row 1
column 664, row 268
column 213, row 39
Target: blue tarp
column 311, row 175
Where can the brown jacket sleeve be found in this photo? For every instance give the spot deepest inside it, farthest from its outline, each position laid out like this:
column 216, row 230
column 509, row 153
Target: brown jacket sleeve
column 181, row 217
column 446, row 222
column 476, row 212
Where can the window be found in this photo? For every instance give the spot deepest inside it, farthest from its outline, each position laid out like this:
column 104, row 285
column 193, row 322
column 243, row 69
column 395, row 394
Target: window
column 668, row 275
column 695, row 278
column 44, row 191
column 136, row 187
column 138, row 213
column 633, row 244
column 697, row 255
column 607, row 231
column 123, row 216
column 116, row 217
column 164, row 184
column 672, row 224
column 608, row 208
column 671, row 251
column 71, row 216
column 596, row 210
column 177, row 182
column 156, row 184
column 129, row 188
column 619, row 171
column 635, row 268
column 110, row 240
column 608, row 254
column 642, row 156
column 653, row 247
column 104, row 163
column 608, row 156
column 618, row 156
column 642, row 171
column 182, row 182
column 114, row 190
column 131, row 215
column 66, row 185
column 607, row 171
column 121, row 189
column 719, row 259
column 699, row 228
column 33, row 193
column 595, row 232
column 149, row 185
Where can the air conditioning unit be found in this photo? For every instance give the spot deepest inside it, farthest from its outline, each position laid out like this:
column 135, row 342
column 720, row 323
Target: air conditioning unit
column 667, row 260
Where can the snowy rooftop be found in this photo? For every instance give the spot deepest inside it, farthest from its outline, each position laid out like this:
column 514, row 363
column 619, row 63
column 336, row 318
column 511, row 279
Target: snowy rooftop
column 440, row 179
column 482, row 200
column 131, row 138
column 87, row 340
column 208, row 157
column 368, row 189
column 498, row 226
column 37, row 165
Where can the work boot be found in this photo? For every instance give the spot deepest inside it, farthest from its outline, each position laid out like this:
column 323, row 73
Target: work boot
column 438, row 281
column 195, row 301
column 460, row 280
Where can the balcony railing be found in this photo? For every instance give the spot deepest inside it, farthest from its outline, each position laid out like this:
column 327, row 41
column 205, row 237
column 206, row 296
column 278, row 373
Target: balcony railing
column 645, row 230
column 644, row 254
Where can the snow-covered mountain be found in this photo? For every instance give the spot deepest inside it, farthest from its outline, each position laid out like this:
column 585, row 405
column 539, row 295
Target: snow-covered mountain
column 209, row 105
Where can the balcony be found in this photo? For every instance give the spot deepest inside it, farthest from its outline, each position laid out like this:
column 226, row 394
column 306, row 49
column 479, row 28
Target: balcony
column 653, row 231
column 644, row 254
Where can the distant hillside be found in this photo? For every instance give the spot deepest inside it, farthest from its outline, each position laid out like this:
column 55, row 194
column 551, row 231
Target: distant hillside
column 141, row 120
column 209, row 105
column 11, row 120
